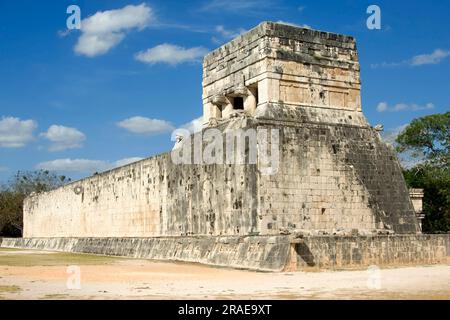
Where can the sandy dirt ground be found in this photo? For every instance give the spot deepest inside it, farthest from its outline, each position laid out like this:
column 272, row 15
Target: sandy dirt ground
column 26, row 274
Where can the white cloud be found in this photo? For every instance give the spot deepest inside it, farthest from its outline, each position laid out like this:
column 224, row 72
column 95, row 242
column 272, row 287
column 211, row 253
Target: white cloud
column 64, row 138
column 422, row 59
column 64, row 33
column 194, row 125
column 407, row 159
column 85, row 166
column 383, row 106
column 235, row 5
column 92, row 45
column 389, row 136
column 3, row 169
column 171, row 54
column 433, row 58
column 74, row 165
column 105, row 29
column 124, row 162
column 294, row 24
column 145, row 126
column 16, row 133
column 229, row 33
column 387, row 64
column 226, row 34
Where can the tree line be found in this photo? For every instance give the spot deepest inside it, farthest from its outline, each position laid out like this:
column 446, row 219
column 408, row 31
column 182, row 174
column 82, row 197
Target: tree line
column 14, row 192
column 427, row 139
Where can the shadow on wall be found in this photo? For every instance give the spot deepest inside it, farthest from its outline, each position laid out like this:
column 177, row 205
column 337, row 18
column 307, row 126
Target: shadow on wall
column 303, row 252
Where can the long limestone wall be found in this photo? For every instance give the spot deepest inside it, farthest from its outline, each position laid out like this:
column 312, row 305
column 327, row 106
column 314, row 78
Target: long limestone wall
column 152, row 197
column 334, row 173
column 261, row 253
column 331, row 176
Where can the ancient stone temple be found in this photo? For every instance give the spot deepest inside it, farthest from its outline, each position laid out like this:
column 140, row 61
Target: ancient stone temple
column 334, row 170
column 334, row 196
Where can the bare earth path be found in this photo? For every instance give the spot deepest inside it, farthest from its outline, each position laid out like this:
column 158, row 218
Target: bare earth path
column 26, row 274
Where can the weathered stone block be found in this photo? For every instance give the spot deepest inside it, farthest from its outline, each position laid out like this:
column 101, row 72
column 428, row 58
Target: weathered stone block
column 334, row 172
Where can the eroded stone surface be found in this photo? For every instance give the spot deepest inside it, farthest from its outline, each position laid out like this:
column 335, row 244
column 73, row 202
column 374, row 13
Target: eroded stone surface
column 275, row 63
column 334, row 175
column 262, row 253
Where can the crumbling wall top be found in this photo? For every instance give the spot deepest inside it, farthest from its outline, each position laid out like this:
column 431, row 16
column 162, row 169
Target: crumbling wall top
column 281, row 30
column 278, row 63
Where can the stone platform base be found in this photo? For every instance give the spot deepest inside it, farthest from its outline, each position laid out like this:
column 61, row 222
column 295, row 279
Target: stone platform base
column 261, row 253
column 254, row 253
column 344, row 252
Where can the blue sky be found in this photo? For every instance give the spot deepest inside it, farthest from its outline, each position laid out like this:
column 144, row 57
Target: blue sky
column 94, row 98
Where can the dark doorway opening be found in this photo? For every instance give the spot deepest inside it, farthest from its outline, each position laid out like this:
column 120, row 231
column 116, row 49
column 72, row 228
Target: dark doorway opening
column 238, row 103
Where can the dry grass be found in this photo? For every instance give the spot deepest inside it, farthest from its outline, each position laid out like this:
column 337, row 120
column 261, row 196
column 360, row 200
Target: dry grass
column 9, row 258
column 10, row 289
column 55, row 296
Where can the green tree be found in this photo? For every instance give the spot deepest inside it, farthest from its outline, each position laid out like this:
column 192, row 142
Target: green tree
column 16, row 190
column 428, row 139
column 436, row 201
